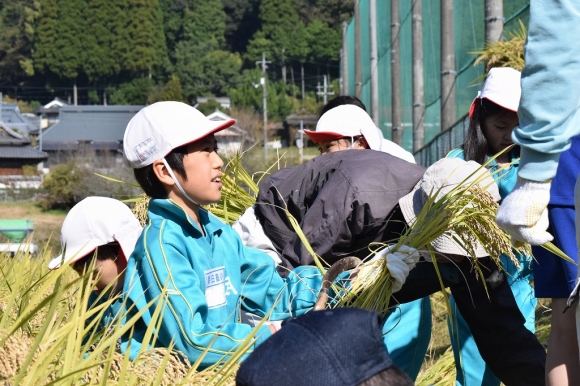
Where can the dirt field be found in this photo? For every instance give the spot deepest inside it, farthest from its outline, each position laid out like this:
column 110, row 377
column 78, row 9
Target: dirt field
column 46, row 224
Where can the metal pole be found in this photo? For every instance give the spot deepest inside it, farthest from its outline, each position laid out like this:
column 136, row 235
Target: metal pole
column 345, row 85
column 40, row 131
column 448, row 73
column 263, row 62
column 357, row 51
column 301, row 141
column 397, row 128
column 325, row 90
column 418, row 82
column 265, row 103
column 374, row 62
column 493, row 20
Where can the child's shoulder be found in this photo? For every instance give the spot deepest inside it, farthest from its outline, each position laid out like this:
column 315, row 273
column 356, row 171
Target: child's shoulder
column 456, row 153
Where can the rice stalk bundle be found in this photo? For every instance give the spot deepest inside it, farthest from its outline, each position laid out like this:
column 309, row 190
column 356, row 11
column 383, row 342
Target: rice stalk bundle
column 466, row 214
column 507, row 53
column 239, row 191
column 140, row 208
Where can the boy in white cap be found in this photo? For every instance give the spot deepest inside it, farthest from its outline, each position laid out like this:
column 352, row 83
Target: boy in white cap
column 187, row 256
column 348, row 126
column 103, row 230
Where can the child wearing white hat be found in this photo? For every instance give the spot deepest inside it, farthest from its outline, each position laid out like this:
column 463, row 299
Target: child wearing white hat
column 492, row 118
column 101, row 228
column 186, row 256
column 349, row 126
column 102, row 231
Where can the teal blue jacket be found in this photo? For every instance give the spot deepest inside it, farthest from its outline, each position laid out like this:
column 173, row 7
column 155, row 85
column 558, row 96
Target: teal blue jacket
column 207, row 281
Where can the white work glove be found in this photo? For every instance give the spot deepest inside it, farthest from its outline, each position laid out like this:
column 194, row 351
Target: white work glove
column 523, row 214
column 399, row 263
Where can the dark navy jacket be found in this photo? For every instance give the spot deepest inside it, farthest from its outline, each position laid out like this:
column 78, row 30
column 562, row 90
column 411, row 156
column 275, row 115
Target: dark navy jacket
column 343, row 202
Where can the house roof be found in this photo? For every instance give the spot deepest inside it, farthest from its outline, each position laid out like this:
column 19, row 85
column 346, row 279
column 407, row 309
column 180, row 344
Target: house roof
column 93, row 124
column 52, row 107
column 56, row 102
column 14, row 145
column 13, row 119
column 22, row 152
column 11, row 137
column 232, row 131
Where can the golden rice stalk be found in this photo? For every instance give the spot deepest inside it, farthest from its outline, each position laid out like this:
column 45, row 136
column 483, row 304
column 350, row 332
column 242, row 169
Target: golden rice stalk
column 140, row 209
column 239, row 191
column 508, row 53
column 441, row 372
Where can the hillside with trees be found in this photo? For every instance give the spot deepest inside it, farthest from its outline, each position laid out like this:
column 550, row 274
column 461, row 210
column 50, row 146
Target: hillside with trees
column 142, row 51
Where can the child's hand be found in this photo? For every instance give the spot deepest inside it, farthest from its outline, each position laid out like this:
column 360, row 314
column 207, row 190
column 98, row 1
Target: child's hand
column 275, row 326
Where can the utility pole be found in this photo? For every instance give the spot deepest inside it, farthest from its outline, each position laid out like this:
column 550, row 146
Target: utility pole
column 324, row 91
column 264, row 63
column 397, row 128
column 448, row 73
column 344, row 62
column 493, row 20
column 357, row 54
column 374, row 62
column 418, row 82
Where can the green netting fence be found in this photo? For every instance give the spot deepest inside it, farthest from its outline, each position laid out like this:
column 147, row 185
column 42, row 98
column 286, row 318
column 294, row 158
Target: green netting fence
column 469, row 29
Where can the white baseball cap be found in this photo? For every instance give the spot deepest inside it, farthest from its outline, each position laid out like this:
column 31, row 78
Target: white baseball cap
column 163, row 126
column 442, row 177
column 93, row 222
column 502, row 87
column 346, row 121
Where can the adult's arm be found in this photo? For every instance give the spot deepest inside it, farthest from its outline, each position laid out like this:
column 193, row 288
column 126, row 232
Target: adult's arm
column 549, row 111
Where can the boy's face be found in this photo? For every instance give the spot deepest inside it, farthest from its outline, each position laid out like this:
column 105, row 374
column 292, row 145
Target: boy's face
column 105, row 271
column 203, row 168
column 339, row 144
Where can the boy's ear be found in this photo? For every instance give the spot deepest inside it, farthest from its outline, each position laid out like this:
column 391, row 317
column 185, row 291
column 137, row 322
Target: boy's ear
column 162, row 173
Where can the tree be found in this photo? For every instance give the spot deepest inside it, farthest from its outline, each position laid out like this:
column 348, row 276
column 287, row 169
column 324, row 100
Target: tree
column 331, row 12
column 101, row 42
column 324, row 42
column 212, row 74
column 134, row 92
column 59, row 45
column 210, row 106
column 46, row 36
column 200, row 63
column 205, row 21
column 247, row 95
column 62, row 186
column 16, row 28
column 170, row 92
column 256, row 46
column 279, row 18
column 242, row 22
column 300, row 50
column 142, row 39
column 173, row 11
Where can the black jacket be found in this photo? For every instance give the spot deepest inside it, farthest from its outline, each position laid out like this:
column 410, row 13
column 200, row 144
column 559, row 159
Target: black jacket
column 343, row 202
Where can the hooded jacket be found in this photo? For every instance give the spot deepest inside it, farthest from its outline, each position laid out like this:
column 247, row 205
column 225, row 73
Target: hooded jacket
column 343, row 201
